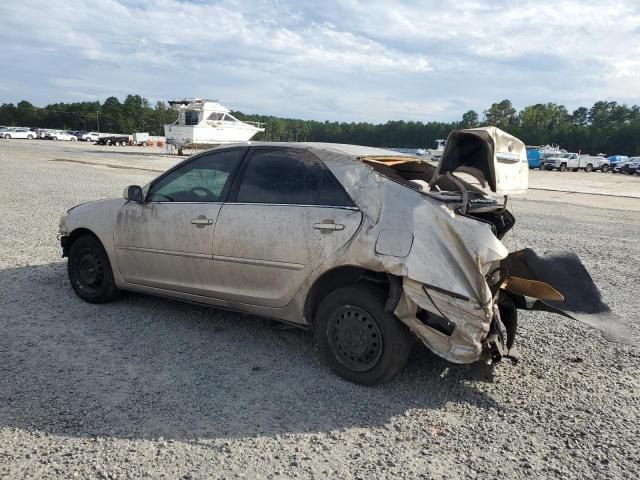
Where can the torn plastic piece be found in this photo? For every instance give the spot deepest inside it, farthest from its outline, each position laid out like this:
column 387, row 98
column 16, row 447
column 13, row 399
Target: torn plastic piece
column 532, row 288
column 564, row 272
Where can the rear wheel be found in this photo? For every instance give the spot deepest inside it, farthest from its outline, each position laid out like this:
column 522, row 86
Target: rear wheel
column 358, row 339
column 30, row 137
column 90, row 271
column 605, row 168
column 589, row 168
column 7, row 136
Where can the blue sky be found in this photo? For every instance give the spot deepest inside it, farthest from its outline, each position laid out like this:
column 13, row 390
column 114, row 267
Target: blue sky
column 332, row 60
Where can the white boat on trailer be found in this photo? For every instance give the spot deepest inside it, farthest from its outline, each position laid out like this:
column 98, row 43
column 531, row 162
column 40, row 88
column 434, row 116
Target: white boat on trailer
column 206, row 122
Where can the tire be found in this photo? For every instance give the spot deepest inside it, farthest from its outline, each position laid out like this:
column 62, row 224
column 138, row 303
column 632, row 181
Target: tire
column 589, row 168
column 604, row 168
column 90, row 271
column 29, row 137
column 7, row 136
column 563, row 167
column 54, row 138
column 370, row 346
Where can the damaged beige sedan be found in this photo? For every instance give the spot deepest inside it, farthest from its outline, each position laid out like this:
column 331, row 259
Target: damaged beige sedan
column 365, row 246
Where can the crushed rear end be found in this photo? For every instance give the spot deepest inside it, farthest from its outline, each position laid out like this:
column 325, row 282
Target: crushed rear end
column 454, row 283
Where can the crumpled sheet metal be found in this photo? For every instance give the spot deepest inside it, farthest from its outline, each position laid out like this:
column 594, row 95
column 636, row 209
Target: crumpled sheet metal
column 471, row 321
column 449, row 251
column 564, row 271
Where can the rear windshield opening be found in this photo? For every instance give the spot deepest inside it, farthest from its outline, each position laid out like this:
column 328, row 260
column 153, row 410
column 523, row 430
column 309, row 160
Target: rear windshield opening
column 415, row 174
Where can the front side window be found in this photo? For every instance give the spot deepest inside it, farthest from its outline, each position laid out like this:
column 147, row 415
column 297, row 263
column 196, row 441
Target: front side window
column 201, row 180
column 290, row 177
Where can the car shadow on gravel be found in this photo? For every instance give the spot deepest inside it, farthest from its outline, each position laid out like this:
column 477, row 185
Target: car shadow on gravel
column 144, row 367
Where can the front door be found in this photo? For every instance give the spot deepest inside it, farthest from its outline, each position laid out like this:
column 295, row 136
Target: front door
column 166, row 242
column 287, row 216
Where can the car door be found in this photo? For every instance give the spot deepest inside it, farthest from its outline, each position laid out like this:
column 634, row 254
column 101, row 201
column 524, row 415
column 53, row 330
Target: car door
column 166, row 242
column 286, row 215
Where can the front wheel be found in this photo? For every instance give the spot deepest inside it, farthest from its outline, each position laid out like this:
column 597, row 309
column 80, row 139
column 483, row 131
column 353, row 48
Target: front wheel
column 90, row 271
column 359, row 340
column 563, row 167
column 589, row 168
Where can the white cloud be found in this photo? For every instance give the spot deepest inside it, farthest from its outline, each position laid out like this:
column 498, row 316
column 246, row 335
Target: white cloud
column 348, row 60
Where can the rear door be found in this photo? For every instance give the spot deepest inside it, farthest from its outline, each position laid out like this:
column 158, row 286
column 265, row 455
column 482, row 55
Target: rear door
column 166, row 242
column 287, row 214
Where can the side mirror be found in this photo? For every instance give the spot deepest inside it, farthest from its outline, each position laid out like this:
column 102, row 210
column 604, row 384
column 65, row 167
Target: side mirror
column 134, row 193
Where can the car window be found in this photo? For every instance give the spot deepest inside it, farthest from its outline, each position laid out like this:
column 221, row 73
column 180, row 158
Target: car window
column 332, row 193
column 201, row 180
column 289, row 177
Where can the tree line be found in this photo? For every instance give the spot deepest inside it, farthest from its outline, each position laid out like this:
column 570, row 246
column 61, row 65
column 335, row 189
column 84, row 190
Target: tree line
column 607, row 126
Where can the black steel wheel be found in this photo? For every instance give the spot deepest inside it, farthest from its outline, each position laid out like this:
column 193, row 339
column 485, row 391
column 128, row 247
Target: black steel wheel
column 357, row 338
column 354, row 338
column 89, row 270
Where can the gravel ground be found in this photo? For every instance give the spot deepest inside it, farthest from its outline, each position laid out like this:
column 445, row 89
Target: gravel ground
column 152, row 388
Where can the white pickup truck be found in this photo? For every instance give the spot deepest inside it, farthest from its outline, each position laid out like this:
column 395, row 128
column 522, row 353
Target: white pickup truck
column 575, row 162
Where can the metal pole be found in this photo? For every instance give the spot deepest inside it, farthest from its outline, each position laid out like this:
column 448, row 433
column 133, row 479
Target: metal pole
column 98, row 121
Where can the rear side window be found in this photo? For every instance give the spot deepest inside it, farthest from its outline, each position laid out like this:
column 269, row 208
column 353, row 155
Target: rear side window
column 332, row 193
column 290, row 177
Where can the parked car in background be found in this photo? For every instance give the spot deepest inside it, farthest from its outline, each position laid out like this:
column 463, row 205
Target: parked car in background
column 117, row 140
column 574, row 162
column 619, row 166
column 89, row 136
column 615, row 161
column 629, row 167
column 19, row 133
column 66, row 136
column 562, row 162
column 593, row 162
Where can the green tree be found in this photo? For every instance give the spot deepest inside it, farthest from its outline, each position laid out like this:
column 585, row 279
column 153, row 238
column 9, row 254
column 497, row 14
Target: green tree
column 501, row 115
column 470, row 119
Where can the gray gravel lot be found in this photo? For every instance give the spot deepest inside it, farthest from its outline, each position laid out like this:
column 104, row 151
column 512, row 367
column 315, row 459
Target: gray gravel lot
column 152, row 388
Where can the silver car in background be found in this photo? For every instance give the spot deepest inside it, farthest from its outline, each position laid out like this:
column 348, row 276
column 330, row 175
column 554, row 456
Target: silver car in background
column 365, row 246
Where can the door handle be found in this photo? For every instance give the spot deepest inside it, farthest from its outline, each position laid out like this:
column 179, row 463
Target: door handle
column 328, row 226
column 201, row 221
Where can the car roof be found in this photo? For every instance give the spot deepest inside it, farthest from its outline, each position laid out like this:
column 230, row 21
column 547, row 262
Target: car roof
column 344, row 148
